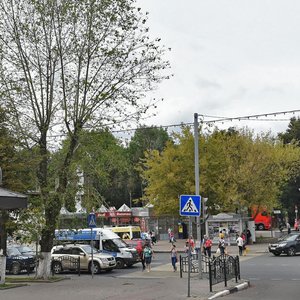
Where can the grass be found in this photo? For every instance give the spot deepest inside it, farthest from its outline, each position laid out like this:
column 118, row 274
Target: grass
column 32, row 279
column 5, row 286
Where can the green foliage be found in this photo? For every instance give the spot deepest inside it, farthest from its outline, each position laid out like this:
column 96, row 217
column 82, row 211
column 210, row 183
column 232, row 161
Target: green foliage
column 70, row 65
column 291, row 195
column 237, row 170
column 145, row 139
column 31, row 222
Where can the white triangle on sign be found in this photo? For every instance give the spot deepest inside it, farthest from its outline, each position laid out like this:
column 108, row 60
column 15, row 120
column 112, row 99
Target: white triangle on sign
column 190, row 206
column 92, row 222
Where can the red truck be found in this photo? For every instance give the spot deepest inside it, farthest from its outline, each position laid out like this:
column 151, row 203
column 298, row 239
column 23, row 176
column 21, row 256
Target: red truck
column 262, row 219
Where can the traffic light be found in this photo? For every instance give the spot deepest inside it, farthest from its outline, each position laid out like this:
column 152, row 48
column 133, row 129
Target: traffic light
column 204, row 209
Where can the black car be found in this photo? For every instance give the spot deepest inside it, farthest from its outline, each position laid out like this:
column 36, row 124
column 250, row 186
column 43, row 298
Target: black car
column 289, row 244
column 25, row 250
column 16, row 262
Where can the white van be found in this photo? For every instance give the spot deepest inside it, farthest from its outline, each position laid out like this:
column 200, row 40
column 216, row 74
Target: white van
column 103, row 239
column 129, row 232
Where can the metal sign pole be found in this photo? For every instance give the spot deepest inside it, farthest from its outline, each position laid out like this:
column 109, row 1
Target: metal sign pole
column 196, row 138
column 190, row 206
column 92, row 252
column 189, row 258
column 92, row 224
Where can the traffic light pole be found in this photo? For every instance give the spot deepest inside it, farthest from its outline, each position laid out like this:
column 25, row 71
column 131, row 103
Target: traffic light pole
column 196, row 142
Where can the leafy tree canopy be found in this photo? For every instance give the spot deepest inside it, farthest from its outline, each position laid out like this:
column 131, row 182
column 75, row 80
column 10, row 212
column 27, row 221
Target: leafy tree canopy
column 237, row 170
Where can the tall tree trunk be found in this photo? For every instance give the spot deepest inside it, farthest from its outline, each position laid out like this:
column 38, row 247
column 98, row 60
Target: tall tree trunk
column 53, row 204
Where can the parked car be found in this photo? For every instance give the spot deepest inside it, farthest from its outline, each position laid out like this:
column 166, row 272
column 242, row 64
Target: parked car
column 16, row 262
column 25, row 250
column 289, row 244
column 64, row 258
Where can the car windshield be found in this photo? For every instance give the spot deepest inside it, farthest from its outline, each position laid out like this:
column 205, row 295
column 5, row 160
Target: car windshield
column 88, row 249
column 120, row 243
column 25, row 249
column 290, row 238
column 13, row 252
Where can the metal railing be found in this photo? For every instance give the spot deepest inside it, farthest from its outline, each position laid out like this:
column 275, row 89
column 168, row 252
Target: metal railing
column 223, row 268
column 217, row 269
column 184, row 264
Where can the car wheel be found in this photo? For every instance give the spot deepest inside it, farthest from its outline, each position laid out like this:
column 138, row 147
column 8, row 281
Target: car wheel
column 291, row 251
column 261, row 227
column 56, row 267
column 276, row 253
column 15, row 268
column 96, row 268
column 120, row 264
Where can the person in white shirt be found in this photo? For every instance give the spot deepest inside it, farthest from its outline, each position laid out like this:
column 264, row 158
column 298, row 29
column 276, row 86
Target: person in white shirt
column 240, row 243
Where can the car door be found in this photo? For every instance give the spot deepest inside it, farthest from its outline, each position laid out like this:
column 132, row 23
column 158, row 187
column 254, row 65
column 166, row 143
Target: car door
column 298, row 244
column 84, row 260
column 63, row 253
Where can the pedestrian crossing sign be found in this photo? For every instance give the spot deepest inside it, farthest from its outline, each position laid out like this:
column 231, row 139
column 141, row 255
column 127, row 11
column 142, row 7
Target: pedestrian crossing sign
column 92, row 220
column 190, row 205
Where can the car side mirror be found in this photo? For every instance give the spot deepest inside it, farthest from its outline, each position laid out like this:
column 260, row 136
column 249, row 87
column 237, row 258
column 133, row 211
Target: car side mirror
column 82, row 254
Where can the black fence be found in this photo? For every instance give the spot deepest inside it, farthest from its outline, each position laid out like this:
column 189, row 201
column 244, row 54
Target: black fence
column 223, row 268
column 66, row 262
column 184, row 264
column 218, row 269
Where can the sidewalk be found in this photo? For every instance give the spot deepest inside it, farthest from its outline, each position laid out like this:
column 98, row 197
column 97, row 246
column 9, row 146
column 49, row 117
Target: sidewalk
column 200, row 287
column 165, row 246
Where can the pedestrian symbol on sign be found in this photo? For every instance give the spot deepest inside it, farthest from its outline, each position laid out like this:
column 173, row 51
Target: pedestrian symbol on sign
column 92, row 220
column 190, row 206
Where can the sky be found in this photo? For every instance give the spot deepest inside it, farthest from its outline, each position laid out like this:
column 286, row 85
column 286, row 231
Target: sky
column 230, row 58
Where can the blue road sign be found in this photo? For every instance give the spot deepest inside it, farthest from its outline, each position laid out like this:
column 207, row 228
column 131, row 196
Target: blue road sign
column 91, row 220
column 190, row 205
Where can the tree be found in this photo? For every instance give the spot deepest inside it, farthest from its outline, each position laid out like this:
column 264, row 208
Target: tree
column 292, row 133
column 237, row 170
column 13, row 160
column 102, row 160
column 69, row 65
column 145, row 139
column 291, row 195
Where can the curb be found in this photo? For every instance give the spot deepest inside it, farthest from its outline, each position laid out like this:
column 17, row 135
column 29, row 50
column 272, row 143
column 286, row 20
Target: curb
column 235, row 289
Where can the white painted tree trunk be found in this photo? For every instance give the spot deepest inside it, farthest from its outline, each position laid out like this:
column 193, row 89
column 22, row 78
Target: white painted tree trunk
column 2, row 268
column 44, row 267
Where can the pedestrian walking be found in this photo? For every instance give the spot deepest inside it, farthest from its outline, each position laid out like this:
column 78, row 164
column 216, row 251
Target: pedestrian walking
column 148, row 254
column 240, row 244
column 191, row 243
column 153, row 238
column 140, row 250
column 288, row 226
column 248, row 237
column 174, row 257
column 186, row 247
column 172, row 237
column 221, row 245
column 207, row 244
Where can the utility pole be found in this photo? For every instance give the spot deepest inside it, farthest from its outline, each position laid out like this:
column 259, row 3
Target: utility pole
column 196, row 142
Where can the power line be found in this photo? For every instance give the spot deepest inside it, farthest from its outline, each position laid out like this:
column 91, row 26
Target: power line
column 249, row 117
column 217, row 119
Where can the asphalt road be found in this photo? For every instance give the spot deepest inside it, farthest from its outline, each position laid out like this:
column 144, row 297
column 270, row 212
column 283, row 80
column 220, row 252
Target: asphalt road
column 114, row 285
column 271, row 278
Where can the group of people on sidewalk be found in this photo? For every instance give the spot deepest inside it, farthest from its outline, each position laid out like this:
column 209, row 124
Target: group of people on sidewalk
column 146, row 252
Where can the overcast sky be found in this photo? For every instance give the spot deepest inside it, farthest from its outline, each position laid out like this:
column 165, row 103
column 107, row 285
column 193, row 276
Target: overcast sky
column 229, row 58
